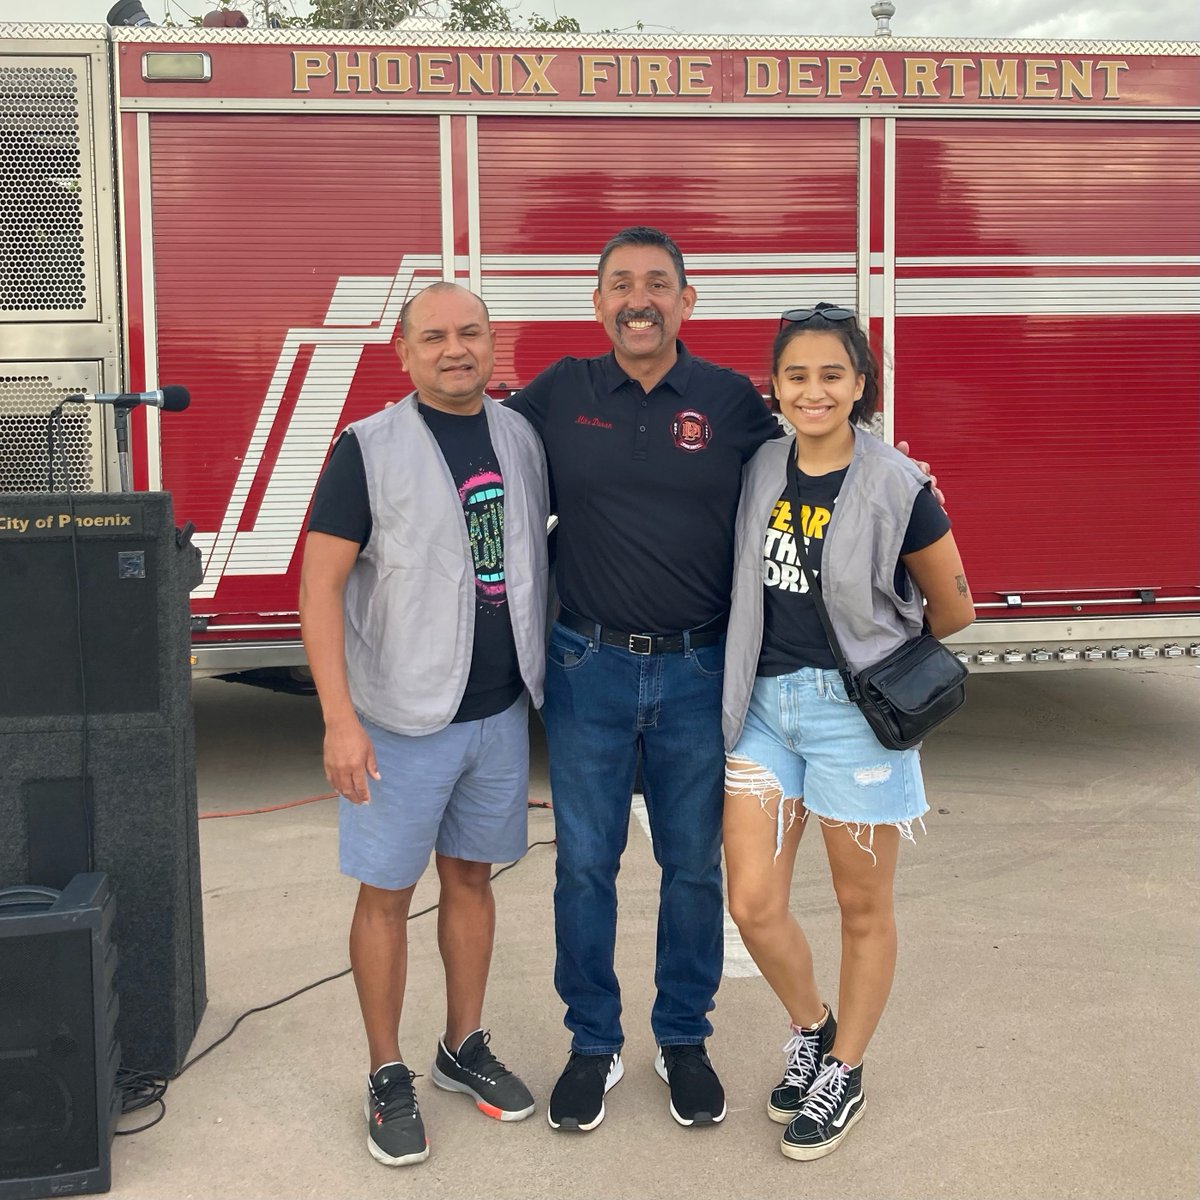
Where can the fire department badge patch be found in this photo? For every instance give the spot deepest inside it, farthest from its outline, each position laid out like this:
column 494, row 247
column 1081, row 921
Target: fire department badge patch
column 691, row 430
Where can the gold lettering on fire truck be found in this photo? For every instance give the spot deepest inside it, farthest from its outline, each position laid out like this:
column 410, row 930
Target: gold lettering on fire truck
column 762, row 75
column 691, row 75
column 800, row 76
column 842, row 71
column 920, row 77
column 958, row 68
column 958, row 78
column 393, row 71
column 431, row 72
column 998, row 79
column 973, row 79
column 878, row 81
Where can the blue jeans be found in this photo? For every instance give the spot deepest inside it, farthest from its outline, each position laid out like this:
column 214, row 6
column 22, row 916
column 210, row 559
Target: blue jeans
column 603, row 705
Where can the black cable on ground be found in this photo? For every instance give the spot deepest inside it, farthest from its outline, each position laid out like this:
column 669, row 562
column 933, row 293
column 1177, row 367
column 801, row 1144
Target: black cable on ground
column 141, row 1089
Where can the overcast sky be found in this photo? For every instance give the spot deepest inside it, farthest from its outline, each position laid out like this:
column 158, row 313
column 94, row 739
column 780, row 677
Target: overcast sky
column 1156, row 20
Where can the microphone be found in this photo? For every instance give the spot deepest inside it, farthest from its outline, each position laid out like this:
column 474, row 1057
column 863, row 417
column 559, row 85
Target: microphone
column 171, row 398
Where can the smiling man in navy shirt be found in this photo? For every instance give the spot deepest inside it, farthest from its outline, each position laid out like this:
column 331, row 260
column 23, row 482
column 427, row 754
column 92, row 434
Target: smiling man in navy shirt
column 646, row 447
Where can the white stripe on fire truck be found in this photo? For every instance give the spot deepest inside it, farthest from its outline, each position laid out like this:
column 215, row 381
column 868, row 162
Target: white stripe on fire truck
column 268, row 548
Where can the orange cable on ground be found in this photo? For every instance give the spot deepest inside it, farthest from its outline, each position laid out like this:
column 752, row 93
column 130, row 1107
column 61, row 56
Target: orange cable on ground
column 253, row 812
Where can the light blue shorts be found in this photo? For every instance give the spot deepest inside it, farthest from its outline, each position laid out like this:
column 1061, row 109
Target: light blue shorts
column 463, row 791
column 814, row 741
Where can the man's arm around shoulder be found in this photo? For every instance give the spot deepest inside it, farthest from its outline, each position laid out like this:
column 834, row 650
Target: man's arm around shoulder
column 349, row 755
column 533, row 400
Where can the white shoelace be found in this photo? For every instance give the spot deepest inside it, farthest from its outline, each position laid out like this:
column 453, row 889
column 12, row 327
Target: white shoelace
column 826, row 1093
column 801, row 1051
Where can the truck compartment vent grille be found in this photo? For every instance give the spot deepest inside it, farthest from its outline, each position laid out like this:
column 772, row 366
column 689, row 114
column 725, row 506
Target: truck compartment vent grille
column 25, row 404
column 42, row 263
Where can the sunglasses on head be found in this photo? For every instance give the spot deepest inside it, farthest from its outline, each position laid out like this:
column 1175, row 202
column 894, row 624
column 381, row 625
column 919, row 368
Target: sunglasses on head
column 798, row 316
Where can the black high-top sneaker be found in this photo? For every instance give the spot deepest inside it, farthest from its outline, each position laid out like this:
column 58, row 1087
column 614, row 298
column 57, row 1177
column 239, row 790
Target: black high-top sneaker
column 830, row 1110
column 804, row 1053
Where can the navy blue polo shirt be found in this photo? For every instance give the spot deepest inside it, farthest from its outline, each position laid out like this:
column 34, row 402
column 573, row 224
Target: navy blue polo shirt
column 646, row 486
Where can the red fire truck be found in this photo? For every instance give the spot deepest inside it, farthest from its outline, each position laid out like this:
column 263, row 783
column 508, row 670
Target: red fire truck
column 245, row 211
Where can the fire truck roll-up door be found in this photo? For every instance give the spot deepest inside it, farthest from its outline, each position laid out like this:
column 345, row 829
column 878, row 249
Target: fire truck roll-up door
column 761, row 228
column 1047, row 356
column 59, row 308
column 284, row 247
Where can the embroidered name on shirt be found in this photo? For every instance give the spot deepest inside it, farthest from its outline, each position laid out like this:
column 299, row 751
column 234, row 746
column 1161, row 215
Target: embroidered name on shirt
column 594, row 422
column 691, row 430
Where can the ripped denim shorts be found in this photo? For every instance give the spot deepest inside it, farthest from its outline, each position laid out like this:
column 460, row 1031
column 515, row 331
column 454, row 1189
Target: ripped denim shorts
column 804, row 731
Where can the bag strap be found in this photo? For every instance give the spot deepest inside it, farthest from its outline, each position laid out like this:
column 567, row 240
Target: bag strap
column 792, row 493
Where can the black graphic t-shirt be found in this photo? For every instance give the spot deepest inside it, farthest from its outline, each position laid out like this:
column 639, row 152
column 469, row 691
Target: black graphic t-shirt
column 793, row 636
column 342, row 507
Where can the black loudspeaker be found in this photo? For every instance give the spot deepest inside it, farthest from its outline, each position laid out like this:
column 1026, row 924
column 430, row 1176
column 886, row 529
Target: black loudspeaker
column 58, row 1047
column 94, row 618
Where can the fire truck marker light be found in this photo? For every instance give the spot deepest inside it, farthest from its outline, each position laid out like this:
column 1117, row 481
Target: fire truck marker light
column 181, row 66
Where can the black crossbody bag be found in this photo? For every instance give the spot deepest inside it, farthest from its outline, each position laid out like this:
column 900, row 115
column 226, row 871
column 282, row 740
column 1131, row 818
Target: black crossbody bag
column 908, row 693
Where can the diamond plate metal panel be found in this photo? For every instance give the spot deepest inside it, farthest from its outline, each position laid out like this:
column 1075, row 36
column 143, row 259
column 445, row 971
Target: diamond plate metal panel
column 53, row 29
column 574, row 41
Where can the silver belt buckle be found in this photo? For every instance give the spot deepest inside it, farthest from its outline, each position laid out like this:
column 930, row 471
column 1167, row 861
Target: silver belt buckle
column 639, row 640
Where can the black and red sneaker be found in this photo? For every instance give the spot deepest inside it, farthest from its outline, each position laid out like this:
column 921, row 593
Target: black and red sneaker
column 395, row 1131
column 474, row 1070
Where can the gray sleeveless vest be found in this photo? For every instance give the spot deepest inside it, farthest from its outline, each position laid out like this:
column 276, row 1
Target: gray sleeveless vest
column 862, row 546
column 410, row 597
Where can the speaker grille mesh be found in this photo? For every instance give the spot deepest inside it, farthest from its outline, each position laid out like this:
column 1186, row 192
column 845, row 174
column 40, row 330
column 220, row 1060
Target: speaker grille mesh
column 42, row 255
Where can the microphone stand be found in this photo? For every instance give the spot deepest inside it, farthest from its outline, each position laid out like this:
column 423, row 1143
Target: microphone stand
column 121, row 424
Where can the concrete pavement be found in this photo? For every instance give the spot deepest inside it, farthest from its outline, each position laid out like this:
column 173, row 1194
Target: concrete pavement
column 1041, row 1040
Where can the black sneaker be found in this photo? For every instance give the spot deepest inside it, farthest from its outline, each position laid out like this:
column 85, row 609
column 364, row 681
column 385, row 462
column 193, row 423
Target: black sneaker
column 577, row 1101
column 395, row 1131
column 804, row 1053
column 697, row 1097
column 478, row 1072
column 830, row 1109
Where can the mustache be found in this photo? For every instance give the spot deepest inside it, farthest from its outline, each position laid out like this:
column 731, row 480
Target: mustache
column 639, row 314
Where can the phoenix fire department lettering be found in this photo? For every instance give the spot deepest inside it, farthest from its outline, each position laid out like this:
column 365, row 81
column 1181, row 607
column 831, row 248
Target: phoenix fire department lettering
column 430, row 73
column 915, row 78
column 971, row 78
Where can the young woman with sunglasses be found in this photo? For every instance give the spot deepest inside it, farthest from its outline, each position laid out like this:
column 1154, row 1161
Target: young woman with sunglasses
column 797, row 747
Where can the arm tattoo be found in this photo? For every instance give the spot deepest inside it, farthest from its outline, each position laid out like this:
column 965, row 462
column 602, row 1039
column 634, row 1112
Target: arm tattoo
column 961, row 581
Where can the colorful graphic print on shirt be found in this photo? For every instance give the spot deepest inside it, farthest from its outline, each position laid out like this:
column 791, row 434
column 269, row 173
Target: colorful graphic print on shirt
column 482, row 496
column 781, row 566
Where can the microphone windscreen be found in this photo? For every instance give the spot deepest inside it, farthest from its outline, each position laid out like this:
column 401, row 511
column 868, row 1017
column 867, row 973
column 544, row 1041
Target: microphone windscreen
column 175, row 398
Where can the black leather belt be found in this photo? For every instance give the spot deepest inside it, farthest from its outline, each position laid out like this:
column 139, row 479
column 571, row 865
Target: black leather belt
column 645, row 643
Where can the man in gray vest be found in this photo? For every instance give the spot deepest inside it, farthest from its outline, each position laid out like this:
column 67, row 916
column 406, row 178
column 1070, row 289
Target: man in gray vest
column 422, row 605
